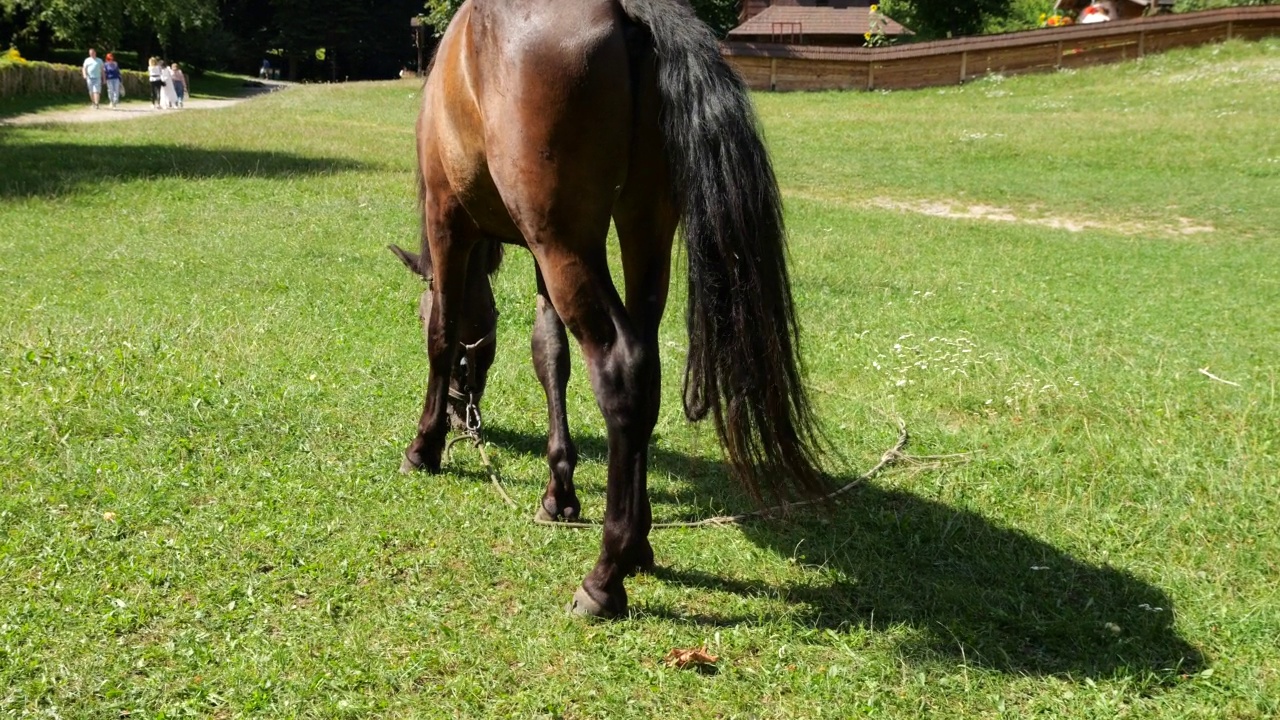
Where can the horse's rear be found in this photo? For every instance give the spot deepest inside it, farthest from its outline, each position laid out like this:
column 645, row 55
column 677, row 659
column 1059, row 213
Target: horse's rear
column 528, row 115
column 541, row 121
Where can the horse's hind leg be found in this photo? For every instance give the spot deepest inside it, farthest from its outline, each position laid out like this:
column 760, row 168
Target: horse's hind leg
column 551, row 362
column 623, row 372
column 646, row 220
column 452, row 235
column 627, row 373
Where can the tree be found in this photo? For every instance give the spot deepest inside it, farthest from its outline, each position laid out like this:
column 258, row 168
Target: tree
column 721, row 15
column 343, row 39
column 933, row 19
column 438, row 13
column 107, row 23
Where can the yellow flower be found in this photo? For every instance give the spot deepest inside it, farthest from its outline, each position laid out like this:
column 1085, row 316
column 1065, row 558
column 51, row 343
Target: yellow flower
column 875, row 8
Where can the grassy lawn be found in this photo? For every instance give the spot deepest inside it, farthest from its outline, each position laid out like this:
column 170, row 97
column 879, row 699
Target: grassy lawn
column 209, row 366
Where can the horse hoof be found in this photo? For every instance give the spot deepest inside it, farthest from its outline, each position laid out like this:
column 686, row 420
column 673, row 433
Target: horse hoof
column 543, row 515
column 584, row 605
column 420, row 461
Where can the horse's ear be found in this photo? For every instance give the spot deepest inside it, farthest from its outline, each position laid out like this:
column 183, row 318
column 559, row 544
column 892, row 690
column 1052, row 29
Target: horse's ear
column 410, row 260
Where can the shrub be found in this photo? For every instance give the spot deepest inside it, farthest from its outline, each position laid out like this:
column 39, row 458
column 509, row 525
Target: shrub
column 12, row 57
column 1021, row 15
column 21, row 78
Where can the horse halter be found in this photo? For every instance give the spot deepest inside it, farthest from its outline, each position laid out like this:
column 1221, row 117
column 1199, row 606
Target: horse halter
column 467, row 362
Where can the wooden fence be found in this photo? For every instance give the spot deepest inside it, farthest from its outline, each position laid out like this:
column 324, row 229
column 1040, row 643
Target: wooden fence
column 950, row 62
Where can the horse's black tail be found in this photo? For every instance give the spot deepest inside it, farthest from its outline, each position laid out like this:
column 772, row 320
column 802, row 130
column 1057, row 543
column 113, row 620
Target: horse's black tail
column 744, row 353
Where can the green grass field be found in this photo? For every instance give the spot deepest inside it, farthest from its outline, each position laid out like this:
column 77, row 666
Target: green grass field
column 209, row 366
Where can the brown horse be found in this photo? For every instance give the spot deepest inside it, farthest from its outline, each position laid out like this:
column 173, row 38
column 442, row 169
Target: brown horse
column 541, row 121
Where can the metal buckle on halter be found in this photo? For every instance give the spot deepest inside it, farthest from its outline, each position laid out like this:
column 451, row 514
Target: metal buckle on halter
column 473, row 420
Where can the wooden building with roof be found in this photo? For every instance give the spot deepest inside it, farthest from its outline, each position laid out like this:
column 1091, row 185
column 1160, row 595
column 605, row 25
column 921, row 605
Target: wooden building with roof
column 810, row 22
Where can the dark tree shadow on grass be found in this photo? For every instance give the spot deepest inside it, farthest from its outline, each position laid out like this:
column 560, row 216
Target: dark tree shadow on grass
column 976, row 592
column 36, row 169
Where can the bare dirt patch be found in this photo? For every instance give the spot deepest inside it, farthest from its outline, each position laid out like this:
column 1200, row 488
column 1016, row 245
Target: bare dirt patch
column 958, row 210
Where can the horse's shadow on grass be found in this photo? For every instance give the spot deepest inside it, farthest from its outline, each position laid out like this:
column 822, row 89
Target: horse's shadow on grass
column 970, row 589
column 50, row 169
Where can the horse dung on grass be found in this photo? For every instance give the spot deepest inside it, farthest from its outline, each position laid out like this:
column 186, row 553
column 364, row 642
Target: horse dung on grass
column 541, row 121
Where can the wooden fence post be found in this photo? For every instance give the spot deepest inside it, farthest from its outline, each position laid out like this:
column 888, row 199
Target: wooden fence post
column 773, row 74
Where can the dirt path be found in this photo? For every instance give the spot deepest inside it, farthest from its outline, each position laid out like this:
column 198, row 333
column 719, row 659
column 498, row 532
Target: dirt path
column 131, row 109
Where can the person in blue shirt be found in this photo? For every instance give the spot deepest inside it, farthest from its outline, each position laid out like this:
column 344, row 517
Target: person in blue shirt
column 114, row 80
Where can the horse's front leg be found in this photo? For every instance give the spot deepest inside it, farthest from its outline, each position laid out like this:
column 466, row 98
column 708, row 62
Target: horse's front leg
column 452, row 234
column 551, row 363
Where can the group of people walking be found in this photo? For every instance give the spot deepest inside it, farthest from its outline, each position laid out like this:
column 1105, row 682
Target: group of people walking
column 168, row 82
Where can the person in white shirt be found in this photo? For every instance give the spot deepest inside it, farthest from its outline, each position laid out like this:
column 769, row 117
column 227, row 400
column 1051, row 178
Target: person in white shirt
column 157, row 83
column 91, row 70
column 169, row 99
